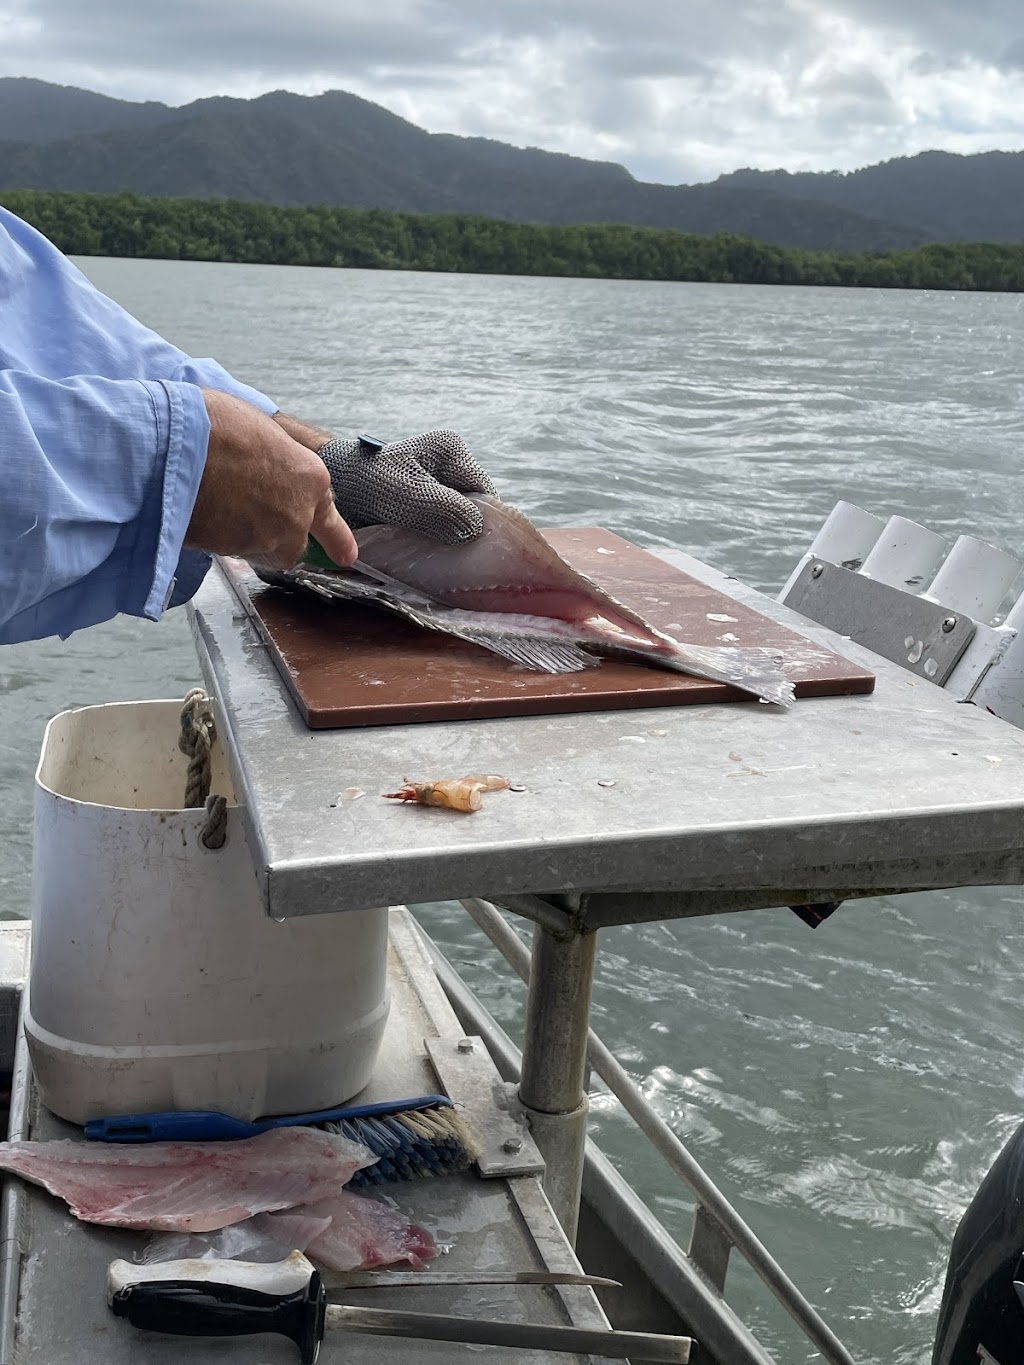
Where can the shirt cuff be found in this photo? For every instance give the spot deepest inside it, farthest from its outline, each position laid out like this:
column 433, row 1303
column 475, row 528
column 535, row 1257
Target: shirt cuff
column 193, row 566
column 207, row 374
column 183, row 430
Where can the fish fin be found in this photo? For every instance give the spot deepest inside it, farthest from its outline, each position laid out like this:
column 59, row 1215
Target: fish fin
column 758, row 671
column 545, row 656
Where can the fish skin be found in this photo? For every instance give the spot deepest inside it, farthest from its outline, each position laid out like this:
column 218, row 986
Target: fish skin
column 511, row 592
column 350, row 1232
column 509, row 568
column 533, row 641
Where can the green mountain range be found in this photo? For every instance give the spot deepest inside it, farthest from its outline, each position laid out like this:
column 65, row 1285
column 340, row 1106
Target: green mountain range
column 949, row 198
column 338, row 149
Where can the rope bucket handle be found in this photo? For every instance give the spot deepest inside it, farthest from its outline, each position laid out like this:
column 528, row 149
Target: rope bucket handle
column 197, row 737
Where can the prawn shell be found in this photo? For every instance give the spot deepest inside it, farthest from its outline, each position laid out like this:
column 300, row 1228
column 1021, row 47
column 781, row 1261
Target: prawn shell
column 453, row 795
column 488, row 782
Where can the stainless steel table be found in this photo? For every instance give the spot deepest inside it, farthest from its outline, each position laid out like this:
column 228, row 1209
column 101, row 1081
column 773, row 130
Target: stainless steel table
column 625, row 817
column 901, row 790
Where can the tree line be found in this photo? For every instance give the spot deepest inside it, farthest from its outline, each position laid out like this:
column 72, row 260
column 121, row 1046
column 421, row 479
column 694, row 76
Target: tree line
column 376, row 239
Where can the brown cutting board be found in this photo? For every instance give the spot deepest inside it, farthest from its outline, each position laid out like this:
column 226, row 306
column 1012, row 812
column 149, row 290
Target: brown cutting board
column 352, row 665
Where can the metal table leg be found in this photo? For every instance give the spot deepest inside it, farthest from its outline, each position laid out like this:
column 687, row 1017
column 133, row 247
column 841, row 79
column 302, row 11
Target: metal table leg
column 717, row 1226
column 551, row 1087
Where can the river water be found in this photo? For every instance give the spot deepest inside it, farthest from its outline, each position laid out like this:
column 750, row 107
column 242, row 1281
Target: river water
column 847, row 1087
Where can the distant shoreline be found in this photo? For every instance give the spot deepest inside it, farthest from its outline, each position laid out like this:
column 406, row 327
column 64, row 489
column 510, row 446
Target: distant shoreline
column 242, row 231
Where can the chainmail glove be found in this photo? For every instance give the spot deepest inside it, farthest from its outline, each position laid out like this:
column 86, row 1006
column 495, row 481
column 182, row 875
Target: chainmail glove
column 417, row 483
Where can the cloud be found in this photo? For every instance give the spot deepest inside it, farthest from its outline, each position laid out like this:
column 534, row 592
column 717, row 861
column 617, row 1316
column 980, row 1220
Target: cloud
column 977, row 30
column 1012, row 56
column 678, row 90
column 645, row 60
column 239, row 40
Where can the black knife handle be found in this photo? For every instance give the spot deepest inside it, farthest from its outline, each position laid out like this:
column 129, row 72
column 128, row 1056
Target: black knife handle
column 195, row 1309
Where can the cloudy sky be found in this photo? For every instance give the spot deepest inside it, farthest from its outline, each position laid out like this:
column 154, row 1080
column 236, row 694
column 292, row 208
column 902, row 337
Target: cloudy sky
column 677, row 90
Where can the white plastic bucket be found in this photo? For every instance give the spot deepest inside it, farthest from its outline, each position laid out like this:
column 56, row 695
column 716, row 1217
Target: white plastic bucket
column 157, row 980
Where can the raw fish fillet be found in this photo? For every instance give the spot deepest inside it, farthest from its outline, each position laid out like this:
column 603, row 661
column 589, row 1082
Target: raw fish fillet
column 189, row 1186
column 511, row 593
column 350, row 1232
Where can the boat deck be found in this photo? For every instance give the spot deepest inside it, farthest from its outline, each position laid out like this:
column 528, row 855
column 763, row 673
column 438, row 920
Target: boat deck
column 55, row 1313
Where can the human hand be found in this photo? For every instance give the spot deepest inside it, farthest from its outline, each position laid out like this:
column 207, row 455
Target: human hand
column 262, row 493
column 417, row 483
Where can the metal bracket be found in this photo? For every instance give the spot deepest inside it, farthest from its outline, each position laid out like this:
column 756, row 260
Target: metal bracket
column 709, row 1247
column 981, row 661
column 563, row 923
column 924, row 637
column 489, row 1106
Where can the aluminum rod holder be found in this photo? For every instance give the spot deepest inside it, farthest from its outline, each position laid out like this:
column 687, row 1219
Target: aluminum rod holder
column 905, row 555
column 846, row 538
column 974, row 579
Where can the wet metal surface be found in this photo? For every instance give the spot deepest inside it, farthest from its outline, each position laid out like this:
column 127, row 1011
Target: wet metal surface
column 59, row 1303
column 924, row 637
column 901, row 789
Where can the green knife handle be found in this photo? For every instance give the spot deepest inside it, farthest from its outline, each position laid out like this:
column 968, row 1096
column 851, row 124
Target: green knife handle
column 317, row 556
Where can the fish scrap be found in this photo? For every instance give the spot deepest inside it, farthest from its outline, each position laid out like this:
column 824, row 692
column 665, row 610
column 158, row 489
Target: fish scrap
column 189, row 1186
column 282, row 1186
column 350, row 1232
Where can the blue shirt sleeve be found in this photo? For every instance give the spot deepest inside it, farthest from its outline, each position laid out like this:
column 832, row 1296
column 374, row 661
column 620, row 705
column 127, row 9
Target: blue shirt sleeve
column 99, row 478
column 103, row 435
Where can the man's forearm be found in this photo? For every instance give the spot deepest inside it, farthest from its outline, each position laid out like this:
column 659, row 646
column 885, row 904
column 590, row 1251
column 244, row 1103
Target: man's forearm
column 310, row 436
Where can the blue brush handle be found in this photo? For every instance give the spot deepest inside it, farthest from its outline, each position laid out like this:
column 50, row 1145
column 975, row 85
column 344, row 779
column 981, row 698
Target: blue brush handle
column 188, row 1125
column 206, row 1125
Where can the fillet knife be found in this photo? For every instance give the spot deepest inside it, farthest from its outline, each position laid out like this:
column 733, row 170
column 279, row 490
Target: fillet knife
column 218, row 1298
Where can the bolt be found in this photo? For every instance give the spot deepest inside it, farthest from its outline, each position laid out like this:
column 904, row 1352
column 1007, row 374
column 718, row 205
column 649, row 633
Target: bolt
column 465, row 1044
column 948, row 624
column 512, row 1145
column 817, row 571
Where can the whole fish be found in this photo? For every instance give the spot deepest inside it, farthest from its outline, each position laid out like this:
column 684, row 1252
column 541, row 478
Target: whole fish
column 512, row 593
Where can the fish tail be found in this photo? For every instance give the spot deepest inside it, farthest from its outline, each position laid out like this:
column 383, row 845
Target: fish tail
column 757, row 671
